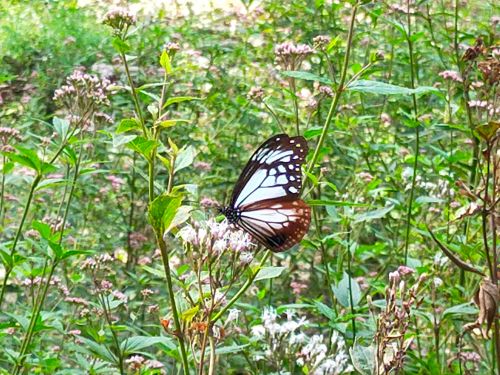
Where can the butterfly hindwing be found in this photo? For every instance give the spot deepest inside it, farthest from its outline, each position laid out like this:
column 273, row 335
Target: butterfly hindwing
column 278, row 224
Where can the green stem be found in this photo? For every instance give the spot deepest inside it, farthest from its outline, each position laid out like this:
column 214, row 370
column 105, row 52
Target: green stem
column 417, row 140
column 242, row 290
column 2, row 189
column 338, row 92
column 135, row 98
column 166, row 265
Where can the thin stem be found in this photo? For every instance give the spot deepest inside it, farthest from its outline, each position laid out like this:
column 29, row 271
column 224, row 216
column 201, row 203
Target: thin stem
column 417, row 139
column 178, row 328
column 268, row 107
column 8, row 271
column 295, row 105
column 242, row 290
column 106, row 309
column 134, row 94
column 351, row 300
column 211, row 367
column 338, row 92
column 2, row 189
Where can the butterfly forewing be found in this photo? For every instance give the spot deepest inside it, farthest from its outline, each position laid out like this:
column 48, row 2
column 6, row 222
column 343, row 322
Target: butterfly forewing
column 274, row 171
column 266, row 200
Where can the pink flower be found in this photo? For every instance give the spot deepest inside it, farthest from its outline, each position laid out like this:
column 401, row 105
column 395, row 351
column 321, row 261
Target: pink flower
column 404, row 270
column 75, row 332
column 451, row 75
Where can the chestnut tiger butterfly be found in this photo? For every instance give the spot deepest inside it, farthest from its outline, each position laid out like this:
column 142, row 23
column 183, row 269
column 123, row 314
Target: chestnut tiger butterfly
column 265, row 201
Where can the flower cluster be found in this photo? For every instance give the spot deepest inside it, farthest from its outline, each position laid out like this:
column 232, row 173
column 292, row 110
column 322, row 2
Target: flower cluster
column 395, row 319
column 172, row 48
column 286, row 340
column 84, row 90
column 256, row 94
column 119, row 19
column 290, row 56
column 451, row 75
column 8, row 136
column 217, row 238
column 321, row 41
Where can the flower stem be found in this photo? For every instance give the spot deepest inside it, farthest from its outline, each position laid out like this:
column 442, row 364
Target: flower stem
column 338, row 92
column 417, row 138
column 178, row 328
column 242, row 290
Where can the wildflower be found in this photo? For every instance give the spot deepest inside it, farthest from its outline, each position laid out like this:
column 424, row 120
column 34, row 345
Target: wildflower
column 144, row 261
column 171, row 48
column 120, row 296
column 147, row 292
column 246, row 258
column 153, row 364
column 202, row 166
column 135, row 362
column 119, row 19
column 256, row 94
column 233, row 315
column 298, row 287
column 404, row 270
column 106, row 285
column 208, row 202
column 84, row 89
column 451, row 75
column 75, row 332
column 365, row 176
column 33, row 234
column 326, row 91
column 7, row 137
column 321, row 41
column 116, row 182
column 137, row 240
column 290, row 56
column 478, row 103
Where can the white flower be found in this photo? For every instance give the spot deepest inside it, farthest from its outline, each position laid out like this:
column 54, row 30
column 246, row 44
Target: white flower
column 246, row 258
column 258, row 331
column 233, row 315
column 187, row 234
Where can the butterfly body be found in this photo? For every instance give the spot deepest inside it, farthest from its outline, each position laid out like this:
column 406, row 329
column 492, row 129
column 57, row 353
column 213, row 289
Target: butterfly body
column 265, row 201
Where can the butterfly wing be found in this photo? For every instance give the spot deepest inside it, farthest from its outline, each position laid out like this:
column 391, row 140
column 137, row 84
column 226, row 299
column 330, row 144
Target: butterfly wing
column 267, row 193
column 277, row 224
column 273, row 171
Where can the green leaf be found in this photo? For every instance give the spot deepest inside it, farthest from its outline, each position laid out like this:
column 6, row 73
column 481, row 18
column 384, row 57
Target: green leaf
column 6, row 259
column 172, row 122
column 137, row 343
column 143, row 146
column 341, row 291
column 270, row 272
column 363, row 358
column 181, row 216
column 307, row 76
column 313, row 132
column 72, row 253
column 100, row 351
column 162, row 211
column 375, row 214
column 462, row 309
column 121, row 139
column 50, row 182
column 185, row 158
column 165, row 62
column 61, row 127
column 42, row 228
column 189, row 314
column 230, row 349
column 120, row 45
column 26, row 157
column 179, row 99
column 325, row 310
column 128, row 124
column 382, row 88
column 326, row 202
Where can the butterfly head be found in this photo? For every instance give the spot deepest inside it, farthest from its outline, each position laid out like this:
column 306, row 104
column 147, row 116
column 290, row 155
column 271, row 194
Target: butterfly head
column 232, row 215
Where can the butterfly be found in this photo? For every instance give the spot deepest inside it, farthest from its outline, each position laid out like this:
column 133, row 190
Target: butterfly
column 265, row 201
